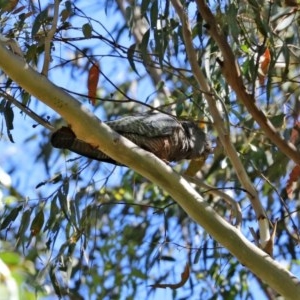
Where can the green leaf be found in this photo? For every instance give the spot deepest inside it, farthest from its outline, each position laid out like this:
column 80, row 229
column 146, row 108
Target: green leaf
column 231, row 15
column 144, row 7
column 11, row 217
column 10, row 258
column 167, row 258
column 68, row 5
column 54, row 281
column 179, row 108
column 130, row 57
column 55, row 214
column 37, row 223
column 67, row 12
column 87, row 30
column 128, row 16
column 73, row 212
column 245, row 48
column 197, row 256
column 161, row 42
column 287, row 56
column 25, row 220
column 154, row 14
column 144, row 45
column 2, row 105
column 278, row 120
column 25, row 98
column 63, row 201
column 9, row 118
column 40, row 20
column 138, row 273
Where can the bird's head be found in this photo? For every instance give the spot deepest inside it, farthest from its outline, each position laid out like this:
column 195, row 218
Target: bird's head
column 197, row 140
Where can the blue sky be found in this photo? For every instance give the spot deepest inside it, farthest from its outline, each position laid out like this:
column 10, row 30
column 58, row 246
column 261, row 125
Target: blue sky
column 20, row 158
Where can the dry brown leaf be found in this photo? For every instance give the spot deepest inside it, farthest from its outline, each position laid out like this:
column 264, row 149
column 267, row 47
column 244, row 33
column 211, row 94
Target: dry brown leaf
column 270, row 244
column 295, row 133
column 294, row 176
column 93, row 79
column 264, row 66
column 184, row 277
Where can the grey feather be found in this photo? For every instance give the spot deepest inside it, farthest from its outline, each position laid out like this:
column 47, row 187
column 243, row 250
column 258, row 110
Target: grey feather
column 150, row 125
column 161, row 134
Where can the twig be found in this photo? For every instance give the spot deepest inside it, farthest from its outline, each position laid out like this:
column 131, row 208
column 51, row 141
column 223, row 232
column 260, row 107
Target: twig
column 27, row 111
column 219, row 125
column 49, row 37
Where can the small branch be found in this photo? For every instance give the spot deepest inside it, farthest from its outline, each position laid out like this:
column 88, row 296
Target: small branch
column 214, row 191
column 219, row 124
column 48, row 39
column 27, row 111
column 231, row 72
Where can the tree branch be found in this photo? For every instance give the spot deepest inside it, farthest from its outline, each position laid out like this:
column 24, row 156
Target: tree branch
column 27, row 111
column 217, row 192
column 219, row 125
column 49, row 37
column 88, row 128
column 231, row 72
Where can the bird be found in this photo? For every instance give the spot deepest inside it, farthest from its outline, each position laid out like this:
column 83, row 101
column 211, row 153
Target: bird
column 165, row 136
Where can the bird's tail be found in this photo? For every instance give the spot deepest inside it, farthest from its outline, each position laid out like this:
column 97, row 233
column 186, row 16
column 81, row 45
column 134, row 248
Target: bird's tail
column 65, row 138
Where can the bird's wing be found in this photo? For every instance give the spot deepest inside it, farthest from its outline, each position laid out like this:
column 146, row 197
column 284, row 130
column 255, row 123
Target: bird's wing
column 148, row 125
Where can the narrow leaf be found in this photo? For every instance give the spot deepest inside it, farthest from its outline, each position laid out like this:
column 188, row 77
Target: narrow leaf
column 264, row 66
column 10, row 217
column 294, row 176
column 130, row 57
column 53, row 217
column 54, row 281
column 38, row 22
column 197, row 256
column 144, row 43
column 9, row 118
column 144, row 7
column 25, row 220
column 167, row 258
column 37, row 223
column 92, row 84
column 154, row 14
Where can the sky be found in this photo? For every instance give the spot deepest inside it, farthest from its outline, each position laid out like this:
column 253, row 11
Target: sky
column 19, row 157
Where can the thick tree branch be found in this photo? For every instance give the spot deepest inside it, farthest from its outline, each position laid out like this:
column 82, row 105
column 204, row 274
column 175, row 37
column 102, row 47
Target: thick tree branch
column 88, row 128
column 231, row 72
column 220, row 126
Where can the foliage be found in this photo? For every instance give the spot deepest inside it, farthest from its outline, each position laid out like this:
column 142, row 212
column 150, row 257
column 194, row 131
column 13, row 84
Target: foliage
column 94, row 229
